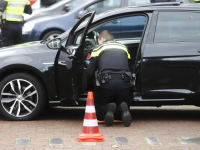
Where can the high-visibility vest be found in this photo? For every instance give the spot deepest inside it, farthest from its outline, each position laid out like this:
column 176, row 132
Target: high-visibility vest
column 14, row 10
column 197, row 1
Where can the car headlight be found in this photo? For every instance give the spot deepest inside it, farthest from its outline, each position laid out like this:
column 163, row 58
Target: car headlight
column 27, row 28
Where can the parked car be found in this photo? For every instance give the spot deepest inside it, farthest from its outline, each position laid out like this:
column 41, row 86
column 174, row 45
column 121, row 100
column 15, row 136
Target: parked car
column 164, row 60
column 47, row 28
column 37, row 4
column 58, row 8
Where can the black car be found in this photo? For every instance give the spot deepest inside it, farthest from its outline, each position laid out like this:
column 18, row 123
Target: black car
column 165, row 60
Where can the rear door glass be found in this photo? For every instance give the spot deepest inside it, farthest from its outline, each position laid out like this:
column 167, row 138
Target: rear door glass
column 177, row 27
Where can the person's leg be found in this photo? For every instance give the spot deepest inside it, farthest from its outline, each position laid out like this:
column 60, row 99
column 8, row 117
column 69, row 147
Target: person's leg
column 102, row 98
column 124, row 95
column 123, row 100
column 8, row 35
column 18, row 37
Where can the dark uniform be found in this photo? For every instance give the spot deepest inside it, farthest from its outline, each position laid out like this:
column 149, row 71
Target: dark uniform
column 12, row 21
column 110, row 58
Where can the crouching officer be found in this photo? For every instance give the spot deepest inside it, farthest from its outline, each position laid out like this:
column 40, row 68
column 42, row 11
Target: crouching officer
column 12, row 20
column 197, row 1
column 114, row 94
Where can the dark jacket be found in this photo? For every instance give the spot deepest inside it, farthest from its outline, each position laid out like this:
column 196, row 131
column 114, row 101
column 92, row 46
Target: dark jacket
column 109, row 57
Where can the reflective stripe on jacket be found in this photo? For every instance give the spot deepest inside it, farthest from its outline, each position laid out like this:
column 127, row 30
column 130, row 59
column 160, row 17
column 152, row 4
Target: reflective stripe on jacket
column 109, row 45
column 110, row 57
column 15, row 9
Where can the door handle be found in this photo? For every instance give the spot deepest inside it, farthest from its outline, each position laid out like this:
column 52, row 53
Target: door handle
column 62, row 63
column 199, row 50
column 115, row 21
column 71, row 57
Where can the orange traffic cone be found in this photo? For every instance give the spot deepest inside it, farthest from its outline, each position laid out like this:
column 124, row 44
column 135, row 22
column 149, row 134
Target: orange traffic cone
column 90, row 132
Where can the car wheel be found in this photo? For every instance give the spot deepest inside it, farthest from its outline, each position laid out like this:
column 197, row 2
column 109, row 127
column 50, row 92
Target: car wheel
column 51, row 35
column 22, row 97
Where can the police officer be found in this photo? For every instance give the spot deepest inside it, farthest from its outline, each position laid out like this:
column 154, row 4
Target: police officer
column 197, row 1
column 113, row 96
column 12, row 21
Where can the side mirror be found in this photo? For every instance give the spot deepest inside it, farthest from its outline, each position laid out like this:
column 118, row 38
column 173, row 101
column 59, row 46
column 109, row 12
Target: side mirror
column 54, row 44
column 67, row 7
column 80, row 14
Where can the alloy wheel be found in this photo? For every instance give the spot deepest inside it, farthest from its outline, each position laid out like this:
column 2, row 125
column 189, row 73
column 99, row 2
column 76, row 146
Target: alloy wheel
column 52, row 36
column 19, row 98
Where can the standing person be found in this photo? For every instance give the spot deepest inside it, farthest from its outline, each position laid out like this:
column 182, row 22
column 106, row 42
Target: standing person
column 114, row 93
column 12, row 21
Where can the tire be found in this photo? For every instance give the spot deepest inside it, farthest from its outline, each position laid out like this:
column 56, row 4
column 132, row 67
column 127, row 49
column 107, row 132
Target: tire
column 22, row 97
column 50, row 35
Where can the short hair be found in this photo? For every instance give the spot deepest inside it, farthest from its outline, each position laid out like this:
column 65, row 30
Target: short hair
column 107, row 35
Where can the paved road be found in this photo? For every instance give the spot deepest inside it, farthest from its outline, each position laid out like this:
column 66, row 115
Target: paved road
column 164, row 124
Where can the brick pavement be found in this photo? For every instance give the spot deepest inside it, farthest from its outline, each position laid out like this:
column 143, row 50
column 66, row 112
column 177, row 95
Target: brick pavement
column 167, row 123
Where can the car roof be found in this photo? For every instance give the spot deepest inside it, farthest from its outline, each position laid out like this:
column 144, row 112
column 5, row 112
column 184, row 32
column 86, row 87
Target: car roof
column 149, row 7
column 141, row 8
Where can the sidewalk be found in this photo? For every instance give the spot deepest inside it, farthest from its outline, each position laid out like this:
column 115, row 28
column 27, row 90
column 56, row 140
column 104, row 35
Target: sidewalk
column 158, row 126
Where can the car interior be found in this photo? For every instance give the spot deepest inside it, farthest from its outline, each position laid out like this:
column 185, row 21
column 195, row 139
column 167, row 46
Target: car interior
column 127, row 31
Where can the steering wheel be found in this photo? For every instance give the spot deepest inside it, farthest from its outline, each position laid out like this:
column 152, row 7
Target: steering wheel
column 89, row 45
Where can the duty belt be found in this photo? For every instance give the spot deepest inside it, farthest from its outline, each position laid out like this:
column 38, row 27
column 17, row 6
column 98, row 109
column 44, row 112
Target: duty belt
column 117, row 76
column 106, row 77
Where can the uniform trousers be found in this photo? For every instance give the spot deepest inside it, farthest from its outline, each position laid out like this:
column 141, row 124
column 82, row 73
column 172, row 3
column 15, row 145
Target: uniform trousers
column 12, row 33
column 116, row 91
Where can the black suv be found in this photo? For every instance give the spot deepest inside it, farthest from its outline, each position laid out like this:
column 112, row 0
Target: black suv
column 163, row 41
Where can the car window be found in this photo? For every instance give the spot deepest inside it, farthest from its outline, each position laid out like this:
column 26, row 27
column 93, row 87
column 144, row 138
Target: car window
column 122, row 29
column 177, row 26
column 93, row 7
column 137, row 2
column 129, row 27
column 109, row 4
column 76, row 3
column 103, row 6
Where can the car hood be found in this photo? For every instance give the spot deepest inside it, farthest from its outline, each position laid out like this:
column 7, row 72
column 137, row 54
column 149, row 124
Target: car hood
column 25, row 48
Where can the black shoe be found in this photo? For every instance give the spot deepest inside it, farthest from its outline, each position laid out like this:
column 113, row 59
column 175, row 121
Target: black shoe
column 109, row 118
column 126, row 116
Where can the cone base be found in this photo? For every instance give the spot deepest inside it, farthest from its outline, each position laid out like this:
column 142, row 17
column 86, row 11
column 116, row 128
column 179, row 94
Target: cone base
column 94, row 137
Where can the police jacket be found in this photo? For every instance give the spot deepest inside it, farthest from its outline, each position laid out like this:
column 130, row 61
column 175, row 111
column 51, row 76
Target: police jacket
column 109, row 57
column 15, row 10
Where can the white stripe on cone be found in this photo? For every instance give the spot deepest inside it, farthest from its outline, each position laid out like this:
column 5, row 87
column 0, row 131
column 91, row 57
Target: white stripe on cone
column 90, row 123
column 90, row 109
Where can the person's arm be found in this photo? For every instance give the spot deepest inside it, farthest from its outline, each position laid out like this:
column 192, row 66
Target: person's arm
column 92, row 67
column 28, row 8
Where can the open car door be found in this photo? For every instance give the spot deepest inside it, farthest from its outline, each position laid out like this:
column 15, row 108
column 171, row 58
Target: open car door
column 71, row 76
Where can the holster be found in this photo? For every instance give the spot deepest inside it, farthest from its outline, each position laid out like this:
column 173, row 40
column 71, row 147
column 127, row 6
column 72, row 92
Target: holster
column 4, row 24
column 97, row 79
